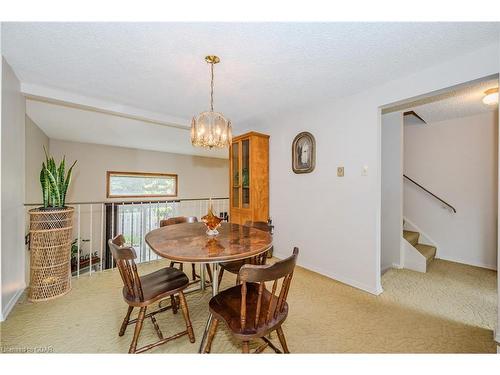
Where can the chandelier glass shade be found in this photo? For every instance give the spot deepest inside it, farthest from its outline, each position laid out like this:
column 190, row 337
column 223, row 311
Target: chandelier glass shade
column 211, row 129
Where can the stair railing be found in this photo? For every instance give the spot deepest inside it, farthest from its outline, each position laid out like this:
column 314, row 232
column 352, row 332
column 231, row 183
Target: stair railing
column 429, row 192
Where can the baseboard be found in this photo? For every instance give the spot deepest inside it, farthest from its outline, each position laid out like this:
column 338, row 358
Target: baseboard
column 394, row 265
column 344, row 280
column 385, row 269
column 469, row 263
column 378, row 291
column 10, row 305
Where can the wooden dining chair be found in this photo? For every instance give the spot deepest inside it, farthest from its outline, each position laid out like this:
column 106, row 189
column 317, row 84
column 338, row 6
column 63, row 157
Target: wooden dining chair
column 234, row 267
column 143, row 291
column 181, row 220
column 250, row 310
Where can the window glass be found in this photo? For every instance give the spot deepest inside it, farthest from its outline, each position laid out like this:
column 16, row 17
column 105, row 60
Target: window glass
column 127, row 184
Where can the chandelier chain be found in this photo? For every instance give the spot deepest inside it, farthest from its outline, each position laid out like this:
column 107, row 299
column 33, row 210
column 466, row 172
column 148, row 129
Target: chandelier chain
column 212, row 87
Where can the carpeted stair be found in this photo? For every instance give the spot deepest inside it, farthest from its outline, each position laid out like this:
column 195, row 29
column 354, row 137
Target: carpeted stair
column 428, row 251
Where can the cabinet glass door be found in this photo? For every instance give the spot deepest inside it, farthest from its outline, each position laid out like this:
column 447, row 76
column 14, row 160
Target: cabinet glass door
column 235, row 178
column 245, row 173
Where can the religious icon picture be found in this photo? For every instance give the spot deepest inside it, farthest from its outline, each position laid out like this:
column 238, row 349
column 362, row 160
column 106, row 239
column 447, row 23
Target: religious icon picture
column 303, row 153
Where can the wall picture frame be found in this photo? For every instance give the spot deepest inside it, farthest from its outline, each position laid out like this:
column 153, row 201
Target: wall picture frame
column 303, row 153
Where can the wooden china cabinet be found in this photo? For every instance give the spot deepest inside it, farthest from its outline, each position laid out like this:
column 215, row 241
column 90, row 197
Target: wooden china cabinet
column 249, row 178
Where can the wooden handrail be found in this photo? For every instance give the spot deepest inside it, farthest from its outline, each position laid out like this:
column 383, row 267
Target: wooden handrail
column 428, row 192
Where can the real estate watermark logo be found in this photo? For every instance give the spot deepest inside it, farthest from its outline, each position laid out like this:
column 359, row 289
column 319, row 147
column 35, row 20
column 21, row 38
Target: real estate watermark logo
column 26, row 349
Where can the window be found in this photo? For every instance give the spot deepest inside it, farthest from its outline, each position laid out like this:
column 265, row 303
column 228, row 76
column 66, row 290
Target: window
column 138, row 184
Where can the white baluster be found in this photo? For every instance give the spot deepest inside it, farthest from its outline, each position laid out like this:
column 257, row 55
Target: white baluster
column 90, row 243
column 78, row 246
column 112, row 227
column 122, row 213
column 157, row 224
column 102, row 232
column 132, row 224
column 147, row 230
column 141, row 232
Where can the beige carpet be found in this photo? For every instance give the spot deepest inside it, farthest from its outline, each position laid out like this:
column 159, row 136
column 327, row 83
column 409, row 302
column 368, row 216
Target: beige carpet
column 450, row 309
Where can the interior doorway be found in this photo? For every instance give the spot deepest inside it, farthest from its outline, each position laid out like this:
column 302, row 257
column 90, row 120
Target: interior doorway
column 439, row 172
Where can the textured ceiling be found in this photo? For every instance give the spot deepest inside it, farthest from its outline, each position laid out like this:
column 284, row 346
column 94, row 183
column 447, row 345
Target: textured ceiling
column 266, row 68
column 462, row 101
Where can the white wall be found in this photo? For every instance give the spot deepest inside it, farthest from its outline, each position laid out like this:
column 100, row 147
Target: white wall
column 456, row 160
column 12, row 185
column 497, row 333
column 392, row 191
column 336, row 221
column 199, row 177
column 1, row 85
column 36, row 140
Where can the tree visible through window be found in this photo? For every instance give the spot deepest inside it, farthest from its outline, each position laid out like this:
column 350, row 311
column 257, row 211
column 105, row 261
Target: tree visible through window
column 137, row 184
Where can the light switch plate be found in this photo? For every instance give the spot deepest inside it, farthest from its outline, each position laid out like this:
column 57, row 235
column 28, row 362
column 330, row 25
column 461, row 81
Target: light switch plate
column 340, row 171
column 364, row 171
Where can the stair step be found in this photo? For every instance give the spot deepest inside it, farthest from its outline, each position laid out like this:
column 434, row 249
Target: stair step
column 428, row 251
column 411, row 237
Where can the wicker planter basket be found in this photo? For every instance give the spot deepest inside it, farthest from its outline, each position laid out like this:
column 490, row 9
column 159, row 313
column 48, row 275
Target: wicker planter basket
column 50, row 247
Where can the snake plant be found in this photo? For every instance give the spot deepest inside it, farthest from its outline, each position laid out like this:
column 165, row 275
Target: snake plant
column 55, row 181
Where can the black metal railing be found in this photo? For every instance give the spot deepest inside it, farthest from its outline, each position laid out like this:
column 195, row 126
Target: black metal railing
column 431, row 193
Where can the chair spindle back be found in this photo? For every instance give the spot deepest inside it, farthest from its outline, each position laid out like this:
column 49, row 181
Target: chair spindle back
column 124, row 257
column 260, row 274
column 261, row 225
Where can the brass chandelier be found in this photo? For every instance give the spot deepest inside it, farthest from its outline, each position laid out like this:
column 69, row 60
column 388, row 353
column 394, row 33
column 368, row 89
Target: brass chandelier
column 211, row 129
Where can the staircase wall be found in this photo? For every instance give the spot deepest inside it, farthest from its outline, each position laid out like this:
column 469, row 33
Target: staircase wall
column 456, row 160
column 412, row 259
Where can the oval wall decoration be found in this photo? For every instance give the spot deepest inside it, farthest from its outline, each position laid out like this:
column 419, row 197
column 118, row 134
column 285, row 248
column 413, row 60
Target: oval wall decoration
column 303, row 153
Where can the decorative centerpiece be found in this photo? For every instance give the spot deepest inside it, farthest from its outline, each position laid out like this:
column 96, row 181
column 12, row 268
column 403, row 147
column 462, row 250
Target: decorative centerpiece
column 51, row 228
column 211, row 221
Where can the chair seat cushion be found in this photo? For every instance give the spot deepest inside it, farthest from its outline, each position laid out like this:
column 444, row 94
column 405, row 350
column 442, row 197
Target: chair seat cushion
column 233, row 267
column 226, row 306
column 158, row 284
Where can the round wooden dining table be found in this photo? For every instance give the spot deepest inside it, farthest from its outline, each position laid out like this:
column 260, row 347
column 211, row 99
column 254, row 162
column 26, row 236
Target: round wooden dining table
column 189, row 243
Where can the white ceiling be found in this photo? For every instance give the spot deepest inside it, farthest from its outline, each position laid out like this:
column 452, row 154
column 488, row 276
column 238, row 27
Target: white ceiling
column 462, row 101
column 266, row 68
